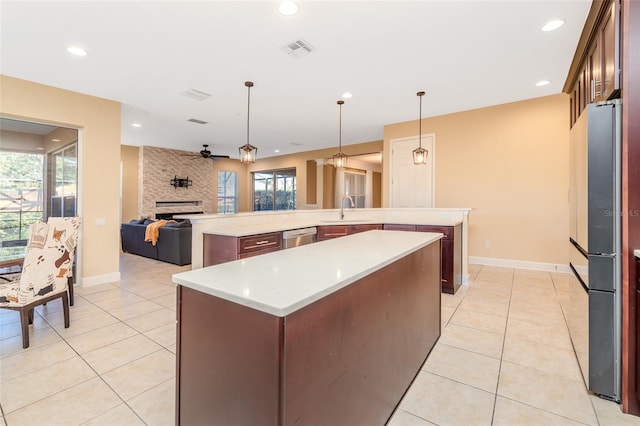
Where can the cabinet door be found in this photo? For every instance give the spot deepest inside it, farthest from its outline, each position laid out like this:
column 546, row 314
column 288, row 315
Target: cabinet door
column 332, row 231
column 218, row 249
column 446, row 230
column 610, row 38
column 594, row 64
column 447, row 267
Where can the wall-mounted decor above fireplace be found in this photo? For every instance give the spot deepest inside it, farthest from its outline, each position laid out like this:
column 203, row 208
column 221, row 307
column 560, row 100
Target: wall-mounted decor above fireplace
column 177, row 182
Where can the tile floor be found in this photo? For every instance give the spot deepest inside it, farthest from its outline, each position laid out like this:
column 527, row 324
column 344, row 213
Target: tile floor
column 504, row 357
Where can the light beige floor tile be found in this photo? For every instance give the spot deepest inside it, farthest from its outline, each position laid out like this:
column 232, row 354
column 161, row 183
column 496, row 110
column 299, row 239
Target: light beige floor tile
column 154, row 289
column 85, row 324
column 470, row 368
column 550, row 359
column 129, row 311
column 610, row 413
column 101, row 337
column 541, row 333
column 168, row 300
column 111, row 292
column 488, row 294
column 29, row 388
column 157, row 405
column 70, row 406
column 141, row 375
column 533, row 313
column 120, row 353
column 479, row 320
column 37, row 339
column 485, row 306
column 164, row 335
column 29, row 361
column 470, row 339
column 451, row 300
column 445, row 315
column 403, row 418
column 440, row 400
column 172, row 348
column 124, row 299
column 558, row 395
column 151, row 320
column 84, row 291
column 513, row 413
column 76, row 312
column 13, row 329
column 494, row 286
column 121, row 415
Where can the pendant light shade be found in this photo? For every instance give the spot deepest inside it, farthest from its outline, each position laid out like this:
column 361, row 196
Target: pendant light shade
column 247, row 151
column 420, row 154
column 340, row 159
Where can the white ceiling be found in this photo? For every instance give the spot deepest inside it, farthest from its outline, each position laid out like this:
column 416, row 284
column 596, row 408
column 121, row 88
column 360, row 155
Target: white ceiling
column 464, row 54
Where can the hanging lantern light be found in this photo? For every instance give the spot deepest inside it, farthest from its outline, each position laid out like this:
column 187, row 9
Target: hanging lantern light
column 248, row 152
column 420, row 154
column 340, row 159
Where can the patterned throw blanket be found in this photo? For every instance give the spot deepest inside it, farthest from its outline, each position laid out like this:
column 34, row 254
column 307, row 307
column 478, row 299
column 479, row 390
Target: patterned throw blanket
column 153, row 230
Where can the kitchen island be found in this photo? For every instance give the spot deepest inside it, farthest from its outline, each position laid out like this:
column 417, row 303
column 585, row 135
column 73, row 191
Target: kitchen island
column 328, row 333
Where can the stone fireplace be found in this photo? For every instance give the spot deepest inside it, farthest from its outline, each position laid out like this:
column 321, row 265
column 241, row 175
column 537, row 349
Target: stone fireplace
column 158, row 197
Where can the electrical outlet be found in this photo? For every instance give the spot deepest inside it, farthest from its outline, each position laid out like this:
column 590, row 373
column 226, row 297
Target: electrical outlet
column 487, row 244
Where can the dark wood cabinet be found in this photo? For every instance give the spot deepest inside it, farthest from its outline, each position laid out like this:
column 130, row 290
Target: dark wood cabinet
column 334, row 231
column 595, row 73
column 451, row 263
column 223, row 248
column 399, row 227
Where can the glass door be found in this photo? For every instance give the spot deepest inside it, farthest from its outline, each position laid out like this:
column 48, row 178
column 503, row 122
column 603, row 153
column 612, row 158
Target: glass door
column 64, row 181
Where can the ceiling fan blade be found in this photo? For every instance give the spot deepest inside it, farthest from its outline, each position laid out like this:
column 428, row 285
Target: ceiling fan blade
column 218, row 157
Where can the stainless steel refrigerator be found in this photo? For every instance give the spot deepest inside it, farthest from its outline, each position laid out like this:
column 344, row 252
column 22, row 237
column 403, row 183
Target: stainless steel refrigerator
column 601, row 246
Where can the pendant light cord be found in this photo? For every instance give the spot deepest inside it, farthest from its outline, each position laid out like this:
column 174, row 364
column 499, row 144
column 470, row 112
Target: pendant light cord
column 420, row 95
column 340, row 103
column 248, row 106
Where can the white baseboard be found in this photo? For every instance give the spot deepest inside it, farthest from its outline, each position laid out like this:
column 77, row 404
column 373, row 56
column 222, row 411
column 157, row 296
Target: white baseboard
column 520, row 264
column 99, row 279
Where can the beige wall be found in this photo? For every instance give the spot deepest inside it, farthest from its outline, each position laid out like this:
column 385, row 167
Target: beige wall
column 129, row 159
column 99, row 164
column 511, row 163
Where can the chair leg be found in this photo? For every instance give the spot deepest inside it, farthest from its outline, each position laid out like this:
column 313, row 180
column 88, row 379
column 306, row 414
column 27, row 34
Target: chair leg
column 24, row 324
column 70, row 287
column 65, row 309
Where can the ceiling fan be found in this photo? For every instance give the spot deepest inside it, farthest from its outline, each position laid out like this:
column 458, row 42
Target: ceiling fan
column 205, row 153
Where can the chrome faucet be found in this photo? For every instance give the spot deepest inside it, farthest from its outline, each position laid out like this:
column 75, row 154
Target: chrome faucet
column 342, row 205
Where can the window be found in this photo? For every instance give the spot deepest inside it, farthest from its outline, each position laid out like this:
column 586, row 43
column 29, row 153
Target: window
column 21, row 189
column 227, row 192
column 64, row 173
column 354, row 187
column 274, row 190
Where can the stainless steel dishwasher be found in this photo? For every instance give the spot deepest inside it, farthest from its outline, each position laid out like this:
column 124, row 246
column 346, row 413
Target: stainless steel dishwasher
column 298, row 237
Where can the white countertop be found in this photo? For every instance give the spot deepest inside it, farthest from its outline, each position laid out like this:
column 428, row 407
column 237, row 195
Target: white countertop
column 636, row 253
column 282, row 282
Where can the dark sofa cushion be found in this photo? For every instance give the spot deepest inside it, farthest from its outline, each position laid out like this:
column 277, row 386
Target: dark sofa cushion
column 181, row 224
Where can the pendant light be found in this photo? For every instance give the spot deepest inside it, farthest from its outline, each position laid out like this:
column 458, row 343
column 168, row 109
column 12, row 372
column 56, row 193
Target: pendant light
column 420, row 154
column 340, row 159
column 247, row 151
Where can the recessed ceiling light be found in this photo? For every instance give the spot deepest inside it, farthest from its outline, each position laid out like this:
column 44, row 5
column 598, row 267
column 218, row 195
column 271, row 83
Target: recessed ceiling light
column 553, row 25
column 40, row 148
column 542, row 83
column 288, row 8
column 276, row 150
column 136, row 125
column 55, row 140
column 346, row 95
column 76, row 50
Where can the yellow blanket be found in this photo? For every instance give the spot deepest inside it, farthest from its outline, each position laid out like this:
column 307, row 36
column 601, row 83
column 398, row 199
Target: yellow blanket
column 153, row 230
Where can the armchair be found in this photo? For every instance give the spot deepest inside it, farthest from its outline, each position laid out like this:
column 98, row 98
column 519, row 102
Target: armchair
column 45, row 272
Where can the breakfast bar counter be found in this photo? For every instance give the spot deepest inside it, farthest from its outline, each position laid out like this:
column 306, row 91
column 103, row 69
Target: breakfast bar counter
column 327, row 333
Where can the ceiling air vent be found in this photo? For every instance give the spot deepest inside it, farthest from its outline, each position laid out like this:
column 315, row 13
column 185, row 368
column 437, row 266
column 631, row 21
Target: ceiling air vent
column 195, row 94
column 195, row 120
column 298, row 48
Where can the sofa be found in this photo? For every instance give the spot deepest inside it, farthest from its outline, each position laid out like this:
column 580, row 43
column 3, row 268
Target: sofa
column 173, row 246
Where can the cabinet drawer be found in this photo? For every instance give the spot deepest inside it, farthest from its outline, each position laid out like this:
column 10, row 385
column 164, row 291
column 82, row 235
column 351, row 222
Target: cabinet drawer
column 332, row 231
column 260, row 242
column 446, row 230
column 399, row 227
column 257, row 252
